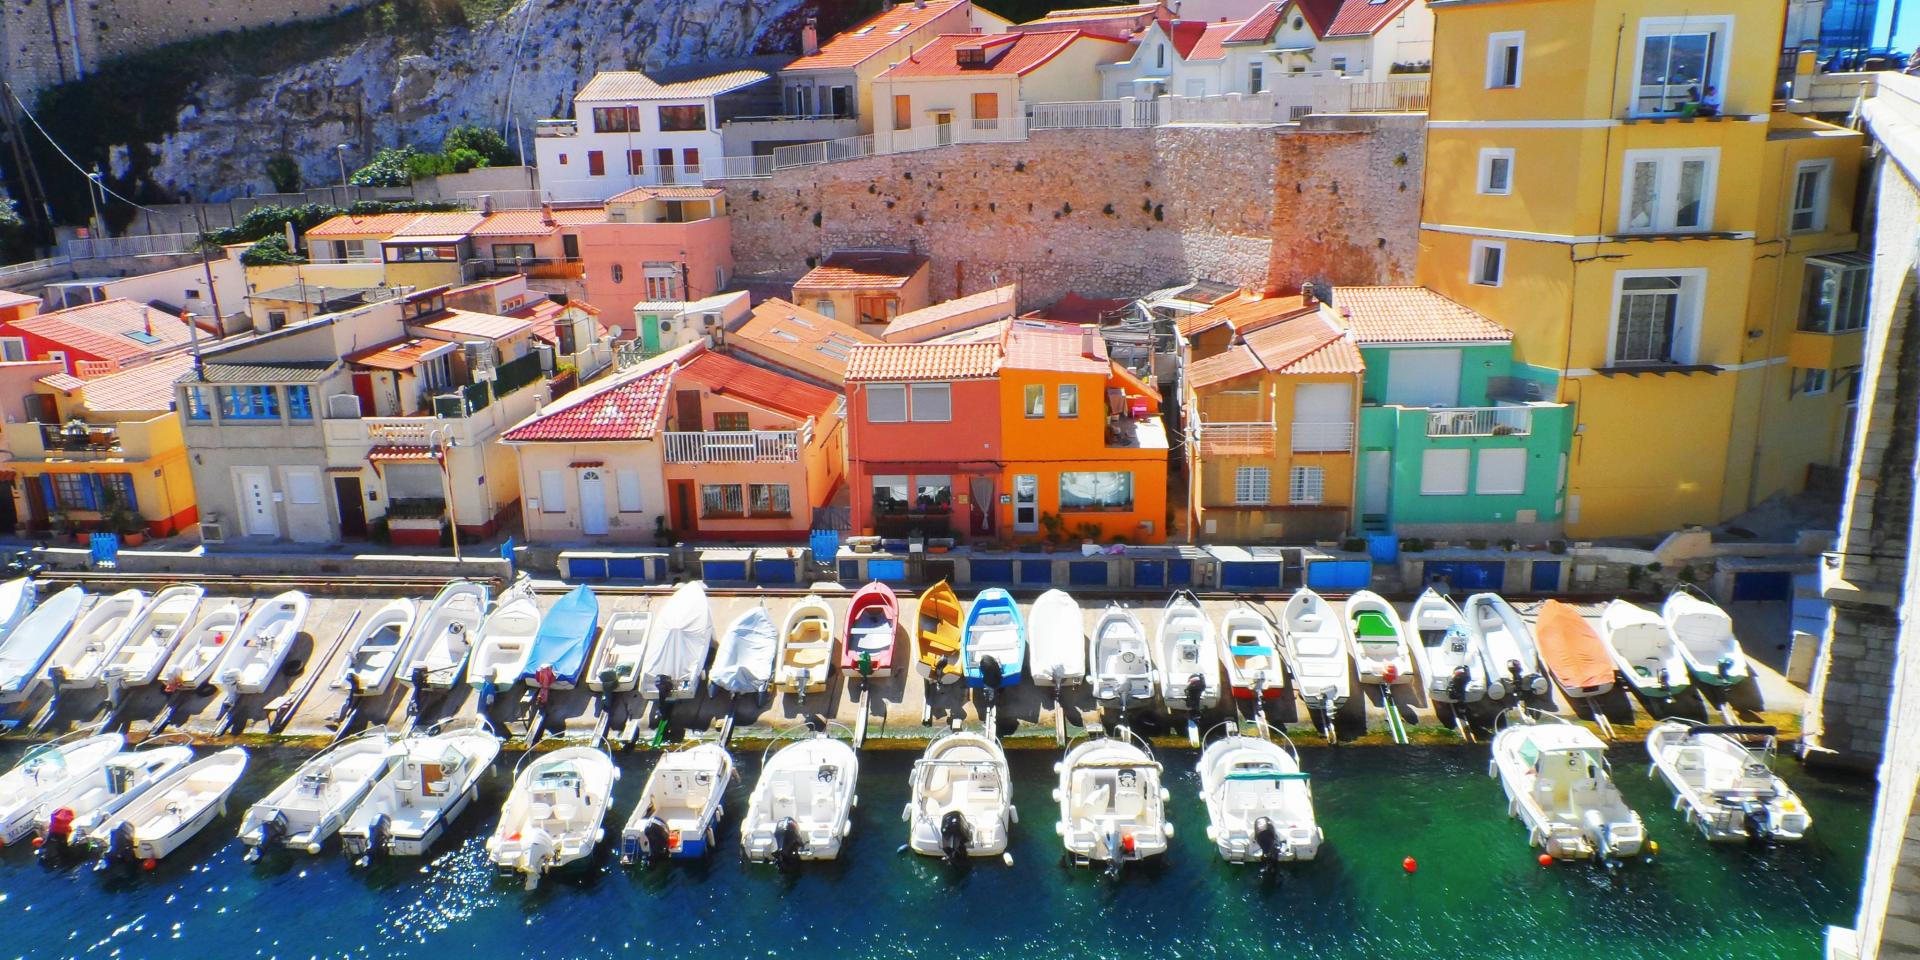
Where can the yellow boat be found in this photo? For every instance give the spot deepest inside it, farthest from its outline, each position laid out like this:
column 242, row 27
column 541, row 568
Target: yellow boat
column 939, row 632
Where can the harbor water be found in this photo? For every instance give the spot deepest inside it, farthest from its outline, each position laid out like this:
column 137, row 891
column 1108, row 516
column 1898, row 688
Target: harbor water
column 1477, row 890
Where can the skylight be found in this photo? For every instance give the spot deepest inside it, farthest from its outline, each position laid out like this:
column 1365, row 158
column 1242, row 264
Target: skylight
column 141, row 336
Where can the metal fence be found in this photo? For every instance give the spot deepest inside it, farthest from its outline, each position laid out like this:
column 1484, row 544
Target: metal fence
column 138, row 245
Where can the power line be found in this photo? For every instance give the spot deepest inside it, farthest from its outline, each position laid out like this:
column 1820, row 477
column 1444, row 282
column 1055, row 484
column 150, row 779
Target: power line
column 99, row 181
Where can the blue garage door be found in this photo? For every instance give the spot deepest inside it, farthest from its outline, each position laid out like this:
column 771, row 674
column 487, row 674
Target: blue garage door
column 1149, row 573
column 1546, row 576
column 849, row 571
column 1087, row 573
column 1179, row 573
column 1468, row 575
column 892, row 571
column 723, row 570
column 1250, row 576
column 1763, row 585
column 991, row 571
column 1036, row 573
column 628, row 568
column 587, row 568
column 776, row 570
column 1339, row 576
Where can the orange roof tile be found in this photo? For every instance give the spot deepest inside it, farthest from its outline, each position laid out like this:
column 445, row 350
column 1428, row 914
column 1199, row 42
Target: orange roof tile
column 109, row 330
column 447, row 224
column 1055, row 347
column 1359, row 18
column 924, row 361
column 466, row 323
column 1233, row 362
column 1211, row 44
column 1016, row 54
column 626, row 406
column 757, row 385
column 9, row 298
column 641, row 194
column 634, row 85
column 1410, row 314
column 1074, row 308
column 1303, row 344
column 403, row 354
column 785, row 330
column 874, row 36
column 1258, row 27
column 1243, row 314
column 862, row 270
column 519, row 223
column 1099, row 13
column 1319, row 14
column 905, row 323
column 141, row 388
column 372, row 225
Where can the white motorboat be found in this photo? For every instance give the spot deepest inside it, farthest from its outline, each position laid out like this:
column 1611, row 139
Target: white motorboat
column 374, row 653
column 962, row 801
column 44, row 769
column 1315, row 641
column 172, row 811
column 1451, row 664
column 1259, row 803
column 506, row 642
column 307, row 807
column 802, row 805
column 80, row 662
column 199, row 652
column 1643, row 650
column 1507, row 642
column 678, row 644
column 680, row 808
column 616, row 659
column 1381, row 653
column 553, row 816
column 259, row 649
column 1188, row 657
column 443, row 636
column 31, row 643
column 1703, row 633
column 1118, row 659
column 153, row 637
column 432, row 778
column 744, row 661
column 1250, row 652
column 806, row 647
column 73, row 810
column 1056, row 640
column 17, row 597
column 1558, row 783
column 1727, row 787
column 1112, row 806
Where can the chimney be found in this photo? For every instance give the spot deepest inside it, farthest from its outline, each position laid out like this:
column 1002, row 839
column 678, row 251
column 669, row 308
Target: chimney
column 1087, row 345
column 919, row 4
column 1307, row 296
column 486, row 204
column 546, row 213
column 810, row 37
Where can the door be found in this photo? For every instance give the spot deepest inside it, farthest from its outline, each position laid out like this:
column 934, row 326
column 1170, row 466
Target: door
column 663, row 164
column 593, row 503
column 1379, row 466
column 943, row 128
column 685, row 519
column 256, row 503
column 363, row 388
column 980, row 491
column 686, row 410
column 1026, row 503
column 1423, row 378
column 570, row 247
column 353, row 510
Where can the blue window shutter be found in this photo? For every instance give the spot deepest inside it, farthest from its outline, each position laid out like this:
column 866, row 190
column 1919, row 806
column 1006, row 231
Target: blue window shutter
column 91, row 485
column 133, row 500
column 46, row 492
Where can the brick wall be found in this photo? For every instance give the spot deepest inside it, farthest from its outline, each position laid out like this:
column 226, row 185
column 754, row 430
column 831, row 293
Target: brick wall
column 1109, row 212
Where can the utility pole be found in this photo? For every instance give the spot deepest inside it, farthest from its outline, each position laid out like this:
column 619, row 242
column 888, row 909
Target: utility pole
column 213, row 291
column 93, row 199
column 441, row 438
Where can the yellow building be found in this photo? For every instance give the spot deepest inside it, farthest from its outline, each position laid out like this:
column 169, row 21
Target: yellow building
column 1608, row 180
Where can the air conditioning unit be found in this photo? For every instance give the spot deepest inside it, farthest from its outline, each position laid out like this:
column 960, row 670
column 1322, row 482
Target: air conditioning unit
column 546, row 357
column 212, row 530
column 479, row 359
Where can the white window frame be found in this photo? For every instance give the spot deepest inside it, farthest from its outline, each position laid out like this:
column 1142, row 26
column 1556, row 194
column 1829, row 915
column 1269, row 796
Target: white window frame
column 1499, row 459
column 1429, row 475
column 1823, row 193
column 1815, row 382
column 1497, row 45
column 892, row 389
column 920, row 393
column 1476, row 266
column 1485, row 180
column 824, row 308
column 1686, row 340
column 1716, row 70
column 13, row 349
column 1252, row 486
column 1307, row 486
column 1668, row 165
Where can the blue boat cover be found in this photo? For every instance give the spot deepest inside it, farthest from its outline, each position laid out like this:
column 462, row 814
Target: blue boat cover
column 565, row 635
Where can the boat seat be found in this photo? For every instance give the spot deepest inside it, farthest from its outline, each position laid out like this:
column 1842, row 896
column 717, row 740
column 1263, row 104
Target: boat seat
column 940, row 783
column 806, row 656
column 1129, row 801
column 783, row 804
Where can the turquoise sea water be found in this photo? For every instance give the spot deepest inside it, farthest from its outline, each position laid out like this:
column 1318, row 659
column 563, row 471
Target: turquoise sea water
column 1477, row 893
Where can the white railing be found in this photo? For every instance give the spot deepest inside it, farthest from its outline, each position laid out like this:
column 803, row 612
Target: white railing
column 1479, row 422
column 1407, row 95
column 733, row 446
column 1125, row 113
column 1323, row 437
column 1259, row 108
column 140, row 245
column 32, row 266
column 1236, row 438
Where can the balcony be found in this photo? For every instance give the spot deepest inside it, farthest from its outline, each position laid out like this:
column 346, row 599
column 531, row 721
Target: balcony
column 1479, row 422
column 537, row 268
column 1235, row 439
column 556, row 128
column 78, row 437
column 733, row 446
column 1335, row 437
column 76, row 440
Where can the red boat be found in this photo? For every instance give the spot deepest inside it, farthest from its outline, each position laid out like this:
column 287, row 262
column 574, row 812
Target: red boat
column 873, row 622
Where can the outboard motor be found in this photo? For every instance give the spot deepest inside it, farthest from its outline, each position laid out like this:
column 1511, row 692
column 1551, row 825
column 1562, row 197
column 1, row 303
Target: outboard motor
column 1267, row 840
column 1119, row 846
column 57, row 677
column 1196, row 687
column 272, row 830
column 1754, row 814
column 1725, row 666
column 787, row 843
column 1602, row 837
column 487, row 692
column 1666, row 683
column 544, row 678
column 1457, row 685
column 375, row 842
column 954, row 836
column 609, row 679
column 1520, row 687
column 59, row 835
column 655, row 841
column 419, row 682
column 119, row 848
column 991, row 675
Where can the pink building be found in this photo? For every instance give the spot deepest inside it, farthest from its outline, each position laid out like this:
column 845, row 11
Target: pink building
column 923, row 437
column 658, row 244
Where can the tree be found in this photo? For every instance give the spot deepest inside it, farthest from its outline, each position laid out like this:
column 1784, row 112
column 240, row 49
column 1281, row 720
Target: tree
column 284, row 173
column 270, row 251
column 489, row 145
column 388, row 168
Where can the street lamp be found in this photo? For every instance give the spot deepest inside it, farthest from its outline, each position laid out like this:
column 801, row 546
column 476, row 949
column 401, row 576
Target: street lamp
column 94, row 187
column 442, row 439
column 340, row 154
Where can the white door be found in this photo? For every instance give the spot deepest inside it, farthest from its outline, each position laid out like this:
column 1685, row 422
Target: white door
column 1379, row 468
column 256, row 503
column 1423, row 378
column 1026, row 503
column 593, row 503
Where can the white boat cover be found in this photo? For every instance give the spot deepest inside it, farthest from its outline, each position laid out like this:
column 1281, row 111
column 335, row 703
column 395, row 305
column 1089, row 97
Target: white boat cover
column 745, row 661
column 682, row 634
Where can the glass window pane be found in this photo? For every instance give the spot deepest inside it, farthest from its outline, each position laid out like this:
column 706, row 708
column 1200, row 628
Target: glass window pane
column 1069, row 400
column 1644, row 192
column 1035, row 401
column 1693, row 177
column 932, row 403
column 933, row 493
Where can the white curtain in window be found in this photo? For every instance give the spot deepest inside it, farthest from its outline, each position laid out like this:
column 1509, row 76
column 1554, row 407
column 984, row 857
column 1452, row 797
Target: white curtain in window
column 1095, row 490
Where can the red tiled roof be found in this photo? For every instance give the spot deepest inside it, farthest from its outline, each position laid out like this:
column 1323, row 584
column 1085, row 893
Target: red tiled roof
column 874, row 36
column 1183, row 34
column 521, row 223
column 140, row 388
column 1055, row 347
column 1303, row 344
column 1244, row 315
column 372, row 225
column 403, row 453
column 947, row 310
column 1411, row 315
column 1099, row 13
column 798, row 334
column 626, row 407
column 1258, row 27
column 759, row 386
column 1211, row 44
column 402, row 354
column 924, row 361
column 1359, row 18
column 862, row 270
column 450, row 223
column 1234, row 362
column 1319, row 14
column 466, row 323
column 642, row 194
column 108, row 329
column 1008, row 54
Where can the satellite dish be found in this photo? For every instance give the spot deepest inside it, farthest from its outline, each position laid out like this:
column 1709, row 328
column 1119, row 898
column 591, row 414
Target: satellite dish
column 614, row 331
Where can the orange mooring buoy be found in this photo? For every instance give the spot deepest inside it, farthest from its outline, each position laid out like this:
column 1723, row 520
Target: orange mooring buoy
column 1546, row 860
column 1410, row 864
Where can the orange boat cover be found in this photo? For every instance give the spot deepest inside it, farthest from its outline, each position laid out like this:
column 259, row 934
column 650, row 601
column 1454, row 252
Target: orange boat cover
column 1571, row 647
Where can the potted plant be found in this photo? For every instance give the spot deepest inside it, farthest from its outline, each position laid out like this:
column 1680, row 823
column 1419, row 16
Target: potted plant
column 116, row 519
column 1056, row 530
column 1476, row 543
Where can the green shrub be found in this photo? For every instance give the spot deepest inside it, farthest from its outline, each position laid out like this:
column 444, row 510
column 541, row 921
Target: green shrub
column 488, row 145
column 270, row 251
column 284, row 173
column 390, row 167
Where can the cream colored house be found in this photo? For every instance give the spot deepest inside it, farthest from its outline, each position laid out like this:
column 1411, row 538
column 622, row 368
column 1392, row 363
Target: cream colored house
column 959, row 88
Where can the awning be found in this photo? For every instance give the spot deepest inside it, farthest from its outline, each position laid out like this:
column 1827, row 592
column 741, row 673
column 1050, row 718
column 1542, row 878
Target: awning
column 343, row 469
column 403, row 454
column 586, row 464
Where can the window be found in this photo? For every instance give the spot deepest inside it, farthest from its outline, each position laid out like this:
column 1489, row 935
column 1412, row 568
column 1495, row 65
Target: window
column 902, row 112
column 1810, row 196
column 1837, row 289
column 1306, row 485
column 1679, row 62
column 423, row 253
column 730, row 421
column 840, row 101
column 1096, row 490
column 933, row 493
column 1666, row 191
column 303, row 487
column 890, row 495
column 690, row 159
column 13, row 349
column 276, row 319
column 1651, row 315
column 636, row 163
column 300, row 402
column 1502, row 472
column 1251, row 485
column 628, row 482
column 1489, row 262
column 1503, row 60
column 553, row 491
column 616, row 119
column 682, row 119
column 1160, row 56
column 619, row 273
column 876, row 309
column 249, row 403
column 1340, row 65
column 1496, row 171
column 1035, row 401
column 824, row 308
column 986, row 106
column 596, row 163
column 932, row 403
column 721, row 500
column 1813, row 382
column 353, row 249
column 1069, row 401
column 886, row 403
column 800, row 101
column 1443, row 473
column 74, row 491
column 769, row 500
column 662, row 280
column 199, row 403
column 1256, row 81
column 511, row 252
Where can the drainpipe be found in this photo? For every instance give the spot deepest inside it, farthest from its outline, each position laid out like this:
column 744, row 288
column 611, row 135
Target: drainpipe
column 73, row 41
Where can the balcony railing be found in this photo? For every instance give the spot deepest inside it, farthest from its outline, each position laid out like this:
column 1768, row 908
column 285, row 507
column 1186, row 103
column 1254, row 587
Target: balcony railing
column 733, row 446
column 1480, row 422
column 77, row 437
column 1323, row 437
column 556, row 128
column 1236, row 439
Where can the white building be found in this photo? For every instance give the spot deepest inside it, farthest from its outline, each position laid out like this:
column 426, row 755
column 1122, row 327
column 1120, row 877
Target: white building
column 1282, row 45
column 629, row 130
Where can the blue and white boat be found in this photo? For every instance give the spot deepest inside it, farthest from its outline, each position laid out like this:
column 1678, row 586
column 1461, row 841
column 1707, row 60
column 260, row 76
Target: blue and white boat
column 28, row 647
column 562, row 644
column 993, row 638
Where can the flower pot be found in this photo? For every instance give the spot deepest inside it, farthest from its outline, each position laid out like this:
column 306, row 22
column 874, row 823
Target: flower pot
column 132, row 539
